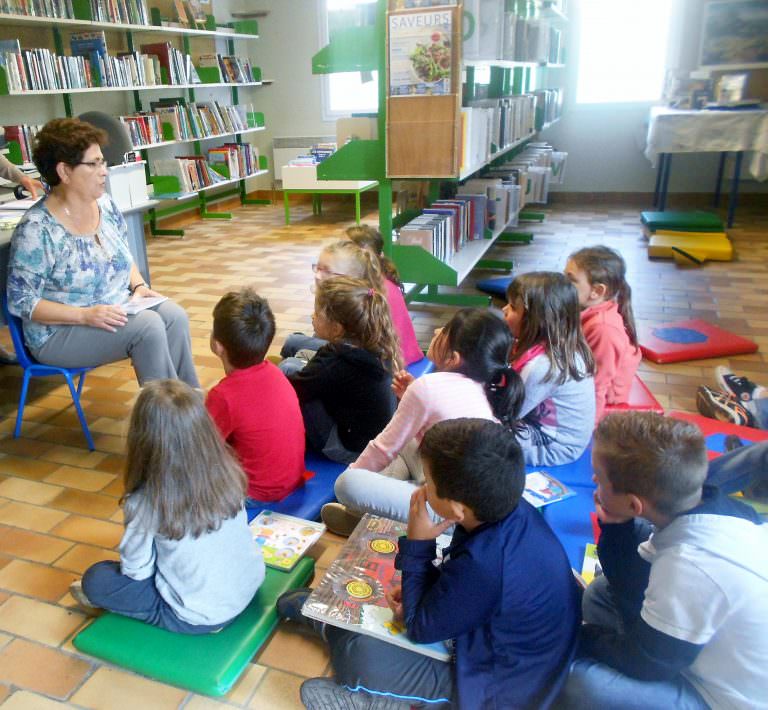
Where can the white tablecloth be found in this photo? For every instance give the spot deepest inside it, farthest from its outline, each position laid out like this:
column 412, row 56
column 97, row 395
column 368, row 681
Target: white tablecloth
column 673, row 131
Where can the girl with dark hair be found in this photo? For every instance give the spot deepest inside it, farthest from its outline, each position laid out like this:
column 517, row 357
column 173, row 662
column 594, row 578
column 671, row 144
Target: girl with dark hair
column 187, row 558
column 556, row 366
column 473, row 379
column 599, row 275
column 345, row 389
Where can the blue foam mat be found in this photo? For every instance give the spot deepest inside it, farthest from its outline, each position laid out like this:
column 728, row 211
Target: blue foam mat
column 577, row 473
column 421, row 367
column 306, row 502
column 495, row 286
column 570, row 520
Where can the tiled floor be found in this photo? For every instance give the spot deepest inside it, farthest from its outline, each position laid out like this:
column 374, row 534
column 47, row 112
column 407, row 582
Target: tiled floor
column 59, row 503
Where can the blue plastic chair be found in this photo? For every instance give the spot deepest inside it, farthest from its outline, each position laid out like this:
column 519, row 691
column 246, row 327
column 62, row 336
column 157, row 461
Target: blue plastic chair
column 32, row 368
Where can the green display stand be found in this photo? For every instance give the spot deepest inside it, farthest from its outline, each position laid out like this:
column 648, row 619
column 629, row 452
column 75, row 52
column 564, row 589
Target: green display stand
column 209, row 664
column 682, row 220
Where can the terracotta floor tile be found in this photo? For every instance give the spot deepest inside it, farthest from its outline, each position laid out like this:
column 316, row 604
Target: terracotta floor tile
column 35, row 580
column 30, row 468
column 24, row 447
column 31, row 517
column 71, row 456
column 5, row 691
column 24, row 700
column 5, row 638
column 95, row 505
column 201, row 702
column 28, row 491
column 36, row 621
column 278, row 691
column 113, row 463
column 41, row 669
column 81, row 557
column 81, row 478
column 16, row 542
column 116, row 488
column 295, row 652
column 243, row 689
column 89, row 530
column 112, row 689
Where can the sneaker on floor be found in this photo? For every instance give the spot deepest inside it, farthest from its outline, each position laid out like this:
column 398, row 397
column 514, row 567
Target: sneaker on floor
column 723, row 407
column 326, row 694
column 338, row 519
column 739, row 387
column 289, row 604
column 76, row 590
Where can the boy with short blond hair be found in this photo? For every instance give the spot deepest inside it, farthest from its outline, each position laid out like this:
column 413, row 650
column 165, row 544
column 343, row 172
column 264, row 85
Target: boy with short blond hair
column 680, row 616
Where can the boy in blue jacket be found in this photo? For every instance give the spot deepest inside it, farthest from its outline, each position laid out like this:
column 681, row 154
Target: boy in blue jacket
column 504, row 593
column 680, row 617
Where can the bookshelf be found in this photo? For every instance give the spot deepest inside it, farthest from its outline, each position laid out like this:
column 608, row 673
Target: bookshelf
column 32, row 31
column 366, row 49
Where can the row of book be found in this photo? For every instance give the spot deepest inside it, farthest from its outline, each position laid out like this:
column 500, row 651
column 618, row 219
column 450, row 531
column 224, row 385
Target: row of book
column 23, row 135
column 38, row 8
column 549, row 106
column 231, row 69
column 503, row 199
column 130, row 12
column 195, row 173
column 202, row 119
column 41, row 69
column 442, row 228
column 491, row 125
column 536, row 168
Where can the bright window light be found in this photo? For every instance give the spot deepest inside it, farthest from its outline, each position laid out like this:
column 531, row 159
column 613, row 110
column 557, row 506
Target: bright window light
column 348, row 92
column 623, row 50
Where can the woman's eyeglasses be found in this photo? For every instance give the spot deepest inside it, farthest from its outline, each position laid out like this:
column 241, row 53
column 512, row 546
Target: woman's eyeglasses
column 100, row 163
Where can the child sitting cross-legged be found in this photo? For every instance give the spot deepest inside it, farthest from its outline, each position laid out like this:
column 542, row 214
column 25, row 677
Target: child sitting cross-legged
column 254, row 406
column 680, row 617
column 504, row 593
column 187, row 558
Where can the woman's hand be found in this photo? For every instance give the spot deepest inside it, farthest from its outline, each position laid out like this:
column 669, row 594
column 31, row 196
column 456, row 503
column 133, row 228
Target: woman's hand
column 420, row 525
column 400, row 382
column 144, row 292
column 32, row 186
column 105, row 317
column 394, row 598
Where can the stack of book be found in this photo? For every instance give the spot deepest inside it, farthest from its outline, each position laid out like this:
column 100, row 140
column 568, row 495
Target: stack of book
column 38, row 8
column 176, row 65
column 321, row 151
column 192, row 172
column 240, row 159
column 130, row 12
column 23, row 135
column 230, row 69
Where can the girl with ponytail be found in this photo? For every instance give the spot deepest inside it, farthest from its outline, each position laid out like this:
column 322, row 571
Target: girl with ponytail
column 473, row 379
column 599, row 275
column 345, row 389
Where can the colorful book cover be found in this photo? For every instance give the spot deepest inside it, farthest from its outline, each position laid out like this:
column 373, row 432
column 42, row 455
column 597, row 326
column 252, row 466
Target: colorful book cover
column 420, row 53
column 590, row 568
column 351, row 595
column 542, row 489
column 283, row 538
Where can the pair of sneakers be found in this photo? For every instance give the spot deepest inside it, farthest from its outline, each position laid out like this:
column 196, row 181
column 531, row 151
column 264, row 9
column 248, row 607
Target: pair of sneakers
column 733, row 403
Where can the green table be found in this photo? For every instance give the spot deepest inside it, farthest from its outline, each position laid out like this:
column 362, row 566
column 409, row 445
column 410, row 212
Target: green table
column 317, row 192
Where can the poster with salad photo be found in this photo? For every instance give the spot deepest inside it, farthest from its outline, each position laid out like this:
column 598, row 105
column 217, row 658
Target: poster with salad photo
column 420, row 53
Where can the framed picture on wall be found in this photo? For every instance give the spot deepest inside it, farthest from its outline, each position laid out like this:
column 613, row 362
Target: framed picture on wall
column 735, row 34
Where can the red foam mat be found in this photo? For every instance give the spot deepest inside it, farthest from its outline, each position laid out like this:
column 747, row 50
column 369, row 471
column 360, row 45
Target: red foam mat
column 640, row 398
column 690, row 340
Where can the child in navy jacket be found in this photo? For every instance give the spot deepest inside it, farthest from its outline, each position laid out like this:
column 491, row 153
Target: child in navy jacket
column 504, row 593
column 679, row 619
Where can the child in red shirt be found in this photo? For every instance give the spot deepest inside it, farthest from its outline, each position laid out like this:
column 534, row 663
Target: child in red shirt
column 254, row 406
column 599, row 275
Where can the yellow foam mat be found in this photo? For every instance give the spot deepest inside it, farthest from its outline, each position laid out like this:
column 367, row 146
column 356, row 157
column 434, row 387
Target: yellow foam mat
column 691, row 247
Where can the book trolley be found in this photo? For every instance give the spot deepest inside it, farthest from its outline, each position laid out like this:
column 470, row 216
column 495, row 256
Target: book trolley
column 167, row 187
column 419, row 136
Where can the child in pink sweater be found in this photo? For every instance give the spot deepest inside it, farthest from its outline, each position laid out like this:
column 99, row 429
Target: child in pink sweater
column 599, row 275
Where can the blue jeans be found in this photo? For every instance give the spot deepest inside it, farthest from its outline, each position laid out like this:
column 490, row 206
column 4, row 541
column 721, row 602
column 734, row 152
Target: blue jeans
column 108, row 588
column 761, row 412
column 323, row 433
column 736, row 470
column 595, row 685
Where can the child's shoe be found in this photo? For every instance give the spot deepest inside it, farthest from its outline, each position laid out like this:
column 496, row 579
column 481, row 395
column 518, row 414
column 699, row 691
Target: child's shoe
column 723, row 407
column 338, row 519
column 737, row 386
column 84, row 604
column 289, row 604
column 326, row 694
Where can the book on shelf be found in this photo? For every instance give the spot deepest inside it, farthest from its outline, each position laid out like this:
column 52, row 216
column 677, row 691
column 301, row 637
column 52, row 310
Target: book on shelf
column 284, row 539
column 351, row 594
column 131, row 12
column 543, row 489
column 59, row 9
column 93, row 46
column 176, row 64
column 23, row 135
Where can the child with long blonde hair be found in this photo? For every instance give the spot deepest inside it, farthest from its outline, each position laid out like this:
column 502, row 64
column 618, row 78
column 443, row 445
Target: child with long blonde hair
column 345, row 389
column 188, row 562
column 556, row 365
column 370, row 239
column 599, row 275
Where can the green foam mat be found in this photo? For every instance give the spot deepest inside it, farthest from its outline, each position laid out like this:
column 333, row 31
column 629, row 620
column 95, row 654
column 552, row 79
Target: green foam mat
column 682, row 220
column 209, row 664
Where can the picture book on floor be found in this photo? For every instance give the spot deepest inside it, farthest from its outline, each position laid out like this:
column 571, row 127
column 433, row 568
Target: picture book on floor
column 542, row 489
column 283, row 538
column 590, row 568
column 351, row 595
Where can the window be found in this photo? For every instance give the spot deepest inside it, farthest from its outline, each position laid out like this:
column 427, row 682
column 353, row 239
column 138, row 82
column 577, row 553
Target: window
column 347, row 92
column 623, row 50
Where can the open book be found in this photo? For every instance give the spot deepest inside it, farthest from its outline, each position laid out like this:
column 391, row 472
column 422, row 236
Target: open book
column 542, row 489
column 284, row 538
column 141, row 304
column 351, row 595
